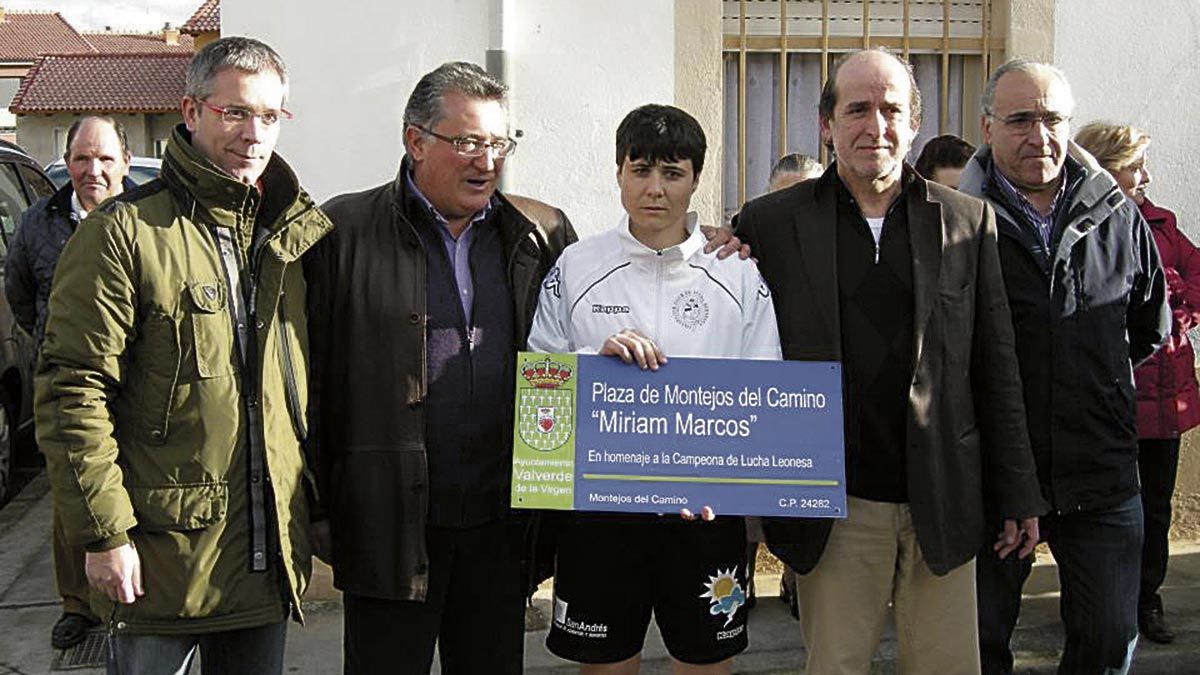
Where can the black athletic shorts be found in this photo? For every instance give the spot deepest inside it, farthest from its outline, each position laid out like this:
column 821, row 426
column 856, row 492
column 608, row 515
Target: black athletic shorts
column 610, row 574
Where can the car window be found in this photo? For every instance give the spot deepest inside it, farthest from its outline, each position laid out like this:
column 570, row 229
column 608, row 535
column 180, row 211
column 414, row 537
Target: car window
column 143, row 174
column 36, row 182
column 58, row 175
column 12, row 201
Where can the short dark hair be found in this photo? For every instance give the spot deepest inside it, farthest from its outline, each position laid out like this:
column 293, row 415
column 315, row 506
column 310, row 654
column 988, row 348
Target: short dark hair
column 661, row 133
column 116, row 125
column 943, row 152
column 828, row 99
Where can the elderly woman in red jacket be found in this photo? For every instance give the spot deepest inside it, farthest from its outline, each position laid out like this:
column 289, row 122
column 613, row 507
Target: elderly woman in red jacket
column 1168, row 403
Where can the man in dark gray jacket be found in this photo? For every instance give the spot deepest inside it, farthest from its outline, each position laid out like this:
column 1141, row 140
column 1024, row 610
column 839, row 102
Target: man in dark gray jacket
column 1088, row 300
column 97, row 160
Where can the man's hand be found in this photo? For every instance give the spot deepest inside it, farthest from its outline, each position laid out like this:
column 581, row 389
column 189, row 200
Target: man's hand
column 724, row 239
column 116, row 573
column 1021, row 537
column 706, row 514
column 321, row 540
column 632, row 347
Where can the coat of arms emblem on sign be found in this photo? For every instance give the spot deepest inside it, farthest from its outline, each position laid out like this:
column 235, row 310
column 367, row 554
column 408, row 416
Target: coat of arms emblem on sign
column 545, row 409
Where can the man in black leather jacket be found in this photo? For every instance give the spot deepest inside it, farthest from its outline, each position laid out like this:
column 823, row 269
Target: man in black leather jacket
column 418, row 302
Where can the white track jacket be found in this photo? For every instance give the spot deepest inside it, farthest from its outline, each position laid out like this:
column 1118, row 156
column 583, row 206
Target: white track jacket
column 687, row 301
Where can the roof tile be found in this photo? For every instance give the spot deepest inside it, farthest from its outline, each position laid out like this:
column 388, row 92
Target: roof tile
column 132, row 83
column 24, row 35
column 137, row 43
column 207, row 19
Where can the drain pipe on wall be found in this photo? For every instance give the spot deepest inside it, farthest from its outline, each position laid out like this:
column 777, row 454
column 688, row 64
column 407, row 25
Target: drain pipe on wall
column 501, row 13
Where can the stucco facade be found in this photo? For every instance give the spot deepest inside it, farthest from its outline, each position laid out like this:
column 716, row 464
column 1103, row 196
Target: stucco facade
column 36, row 133
column 347, row 131
column 699, row 80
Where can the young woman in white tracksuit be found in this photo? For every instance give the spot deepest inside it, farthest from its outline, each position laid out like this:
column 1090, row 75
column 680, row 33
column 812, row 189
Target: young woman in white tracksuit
column 643, row 291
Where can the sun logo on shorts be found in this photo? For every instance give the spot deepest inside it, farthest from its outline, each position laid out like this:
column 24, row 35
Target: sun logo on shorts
column 724, row 593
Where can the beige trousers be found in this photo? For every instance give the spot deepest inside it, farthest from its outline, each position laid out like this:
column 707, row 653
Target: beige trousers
column 872, row 558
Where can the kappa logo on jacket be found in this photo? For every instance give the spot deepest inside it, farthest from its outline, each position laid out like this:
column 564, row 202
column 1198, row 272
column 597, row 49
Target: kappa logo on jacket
column 610, row 309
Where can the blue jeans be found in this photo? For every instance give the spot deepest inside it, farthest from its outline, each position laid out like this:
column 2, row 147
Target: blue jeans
column 251, row 651
column 1098, row 555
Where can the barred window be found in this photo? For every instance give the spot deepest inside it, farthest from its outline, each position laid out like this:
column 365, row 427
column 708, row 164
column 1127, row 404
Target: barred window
column 778, row 54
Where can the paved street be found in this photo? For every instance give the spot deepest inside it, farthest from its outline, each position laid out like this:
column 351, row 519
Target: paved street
column 28, row 608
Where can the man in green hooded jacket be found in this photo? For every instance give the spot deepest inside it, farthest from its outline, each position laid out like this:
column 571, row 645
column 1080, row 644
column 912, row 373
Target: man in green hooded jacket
column 171, row 393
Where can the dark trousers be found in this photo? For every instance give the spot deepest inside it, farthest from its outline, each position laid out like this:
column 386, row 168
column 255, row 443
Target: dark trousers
column 1098, row 572
column 474, row 611
column 1158, row 459
column 250, row 651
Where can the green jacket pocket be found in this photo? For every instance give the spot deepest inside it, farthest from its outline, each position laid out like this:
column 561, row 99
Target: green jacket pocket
column 212, row 331
column 179, row 507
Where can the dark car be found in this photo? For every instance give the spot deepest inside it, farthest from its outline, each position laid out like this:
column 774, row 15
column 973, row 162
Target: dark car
column 22, row 182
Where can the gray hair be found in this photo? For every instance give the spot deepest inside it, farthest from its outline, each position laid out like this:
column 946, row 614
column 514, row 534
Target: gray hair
column 1028, row 67
column 245, row 54
column 424, row 106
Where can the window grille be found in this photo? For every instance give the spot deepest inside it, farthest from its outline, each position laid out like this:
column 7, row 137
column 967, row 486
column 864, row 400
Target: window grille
column 778, row 54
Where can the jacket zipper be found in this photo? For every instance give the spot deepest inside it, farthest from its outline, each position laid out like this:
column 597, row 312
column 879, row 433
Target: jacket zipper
column 658, row 293
column 289, row 374
column 293, row 396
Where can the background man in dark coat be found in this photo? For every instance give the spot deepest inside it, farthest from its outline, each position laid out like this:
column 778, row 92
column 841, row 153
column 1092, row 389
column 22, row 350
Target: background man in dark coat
column 97, row 160
column 1088, row 300
column 899, row 279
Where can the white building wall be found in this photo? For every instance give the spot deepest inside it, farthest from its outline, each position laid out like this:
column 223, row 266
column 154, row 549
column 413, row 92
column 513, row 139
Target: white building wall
column 1139, row 63
column 575, row 69
column 352, row 65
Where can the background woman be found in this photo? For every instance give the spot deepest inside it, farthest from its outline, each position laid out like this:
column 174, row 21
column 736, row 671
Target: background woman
column 1167, row 400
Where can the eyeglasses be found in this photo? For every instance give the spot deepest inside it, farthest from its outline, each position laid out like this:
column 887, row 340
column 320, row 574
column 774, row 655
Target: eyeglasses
column 470, row 146
column 236, row 115
column 1023, row 122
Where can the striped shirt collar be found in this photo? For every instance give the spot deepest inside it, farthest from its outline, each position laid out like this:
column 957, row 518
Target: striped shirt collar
column 1043, row 223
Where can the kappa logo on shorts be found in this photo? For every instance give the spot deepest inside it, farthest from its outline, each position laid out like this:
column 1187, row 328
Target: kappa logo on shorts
column 724, row 593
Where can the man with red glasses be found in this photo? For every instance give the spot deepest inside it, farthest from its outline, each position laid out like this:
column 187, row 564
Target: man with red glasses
column 170, row 397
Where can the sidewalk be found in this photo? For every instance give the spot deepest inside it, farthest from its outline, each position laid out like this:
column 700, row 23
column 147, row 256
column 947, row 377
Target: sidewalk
column 28, row 607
